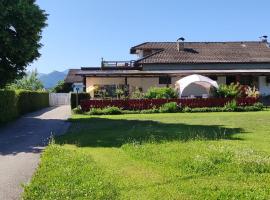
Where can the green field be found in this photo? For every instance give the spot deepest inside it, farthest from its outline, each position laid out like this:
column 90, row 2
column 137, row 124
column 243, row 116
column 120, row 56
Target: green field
column 158, row 156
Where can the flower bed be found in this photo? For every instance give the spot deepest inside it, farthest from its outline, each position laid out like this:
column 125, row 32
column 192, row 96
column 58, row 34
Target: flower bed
column 143, row 104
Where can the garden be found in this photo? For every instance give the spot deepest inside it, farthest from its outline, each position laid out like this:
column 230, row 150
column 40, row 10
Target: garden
column 227, row 98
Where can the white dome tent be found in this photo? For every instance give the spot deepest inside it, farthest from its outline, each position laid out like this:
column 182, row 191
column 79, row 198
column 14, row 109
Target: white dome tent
column 195, row 85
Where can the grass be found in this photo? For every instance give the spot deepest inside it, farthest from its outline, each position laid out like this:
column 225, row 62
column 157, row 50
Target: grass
column 158, row 156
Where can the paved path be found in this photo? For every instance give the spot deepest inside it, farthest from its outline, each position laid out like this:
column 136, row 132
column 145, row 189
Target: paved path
column 21, row 143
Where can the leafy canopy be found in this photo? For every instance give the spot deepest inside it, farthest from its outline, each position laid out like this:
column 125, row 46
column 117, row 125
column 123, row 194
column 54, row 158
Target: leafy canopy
column 21, row 23
column 29, row 82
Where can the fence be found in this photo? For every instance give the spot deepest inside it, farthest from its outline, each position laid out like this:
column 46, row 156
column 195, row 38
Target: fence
column 57, row 99
column 141, row 104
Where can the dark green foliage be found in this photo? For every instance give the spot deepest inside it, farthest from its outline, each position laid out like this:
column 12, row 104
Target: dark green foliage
column 160, row 93
column 16, row 103
column 29, row 101
column 21, row 23
column 229, row 91
column 81, row 96
column 170, row 107
column 106, row 111
column 62, row 87
column 77, row 110
column 8, row 105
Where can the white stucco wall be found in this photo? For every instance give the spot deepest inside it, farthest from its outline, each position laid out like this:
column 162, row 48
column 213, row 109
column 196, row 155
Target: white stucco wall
column 264, row 88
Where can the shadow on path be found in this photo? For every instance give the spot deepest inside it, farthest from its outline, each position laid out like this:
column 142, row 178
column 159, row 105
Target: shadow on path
column 31, row 132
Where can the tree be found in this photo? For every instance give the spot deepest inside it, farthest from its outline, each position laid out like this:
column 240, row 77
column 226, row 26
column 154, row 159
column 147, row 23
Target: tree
column 29, row 82
column 62, row 87
column 21, row 23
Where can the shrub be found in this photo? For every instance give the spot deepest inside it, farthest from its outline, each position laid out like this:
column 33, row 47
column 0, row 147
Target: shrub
column 96, row 111
column 8, row 105
column 160, row 93
column 229, row 91
column 81, row 96
column 169, row 108
column 105, row 111
column 149, row 111
column 252, row 92
column 112, row 111
column 29, row 101
column 231, row 105
column 137, row 94
column 78, row 110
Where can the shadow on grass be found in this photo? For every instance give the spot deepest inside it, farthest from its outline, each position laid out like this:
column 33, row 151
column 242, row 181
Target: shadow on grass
column 104, row 132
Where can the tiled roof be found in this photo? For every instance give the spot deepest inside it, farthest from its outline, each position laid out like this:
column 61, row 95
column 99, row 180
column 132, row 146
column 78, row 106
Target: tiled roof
column 205, row 52
column 72, row 76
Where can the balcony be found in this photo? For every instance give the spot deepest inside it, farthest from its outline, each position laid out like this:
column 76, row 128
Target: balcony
column 118, row 64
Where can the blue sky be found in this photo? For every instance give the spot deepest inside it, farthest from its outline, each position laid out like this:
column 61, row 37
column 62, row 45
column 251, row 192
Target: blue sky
column 80, row 32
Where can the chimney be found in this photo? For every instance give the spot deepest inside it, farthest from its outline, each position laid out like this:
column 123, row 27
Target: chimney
column 180, row 44
column 264, row 38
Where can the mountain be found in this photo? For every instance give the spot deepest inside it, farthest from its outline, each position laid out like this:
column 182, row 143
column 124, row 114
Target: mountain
column 51, row 79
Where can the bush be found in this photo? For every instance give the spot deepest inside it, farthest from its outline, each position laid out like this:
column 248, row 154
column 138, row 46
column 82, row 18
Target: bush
column 169, row 108
column 78, row 110
column 229, row 91
column 160, row 93
column 8, row 105
column 96, row 111
column 149, row 111
column 15, row 103
column 81, row 96
column 231, row 105
column 106, row 111
column 29, row 101
column 112, row 111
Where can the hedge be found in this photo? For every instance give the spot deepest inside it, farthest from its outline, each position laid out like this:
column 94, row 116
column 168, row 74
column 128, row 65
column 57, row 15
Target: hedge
column 8, row 108
column 16, row 103
column 29, row 101
column 144, row 104
column 81, row 97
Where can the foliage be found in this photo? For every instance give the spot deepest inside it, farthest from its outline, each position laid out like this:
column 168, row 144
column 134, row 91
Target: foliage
column 252, row 92
column 29, row 101
column 8, row 105
column 137, row 94
column 211, row 156
column 119, row 93
column 62, row 87
column 231, row 105
column 21, row 23
column 81, row 96
column 77, row 110
column 169, row 108
column 29, row 82
column 15, row 103
column 106, row 111
column 229, row 91
column 160, row 93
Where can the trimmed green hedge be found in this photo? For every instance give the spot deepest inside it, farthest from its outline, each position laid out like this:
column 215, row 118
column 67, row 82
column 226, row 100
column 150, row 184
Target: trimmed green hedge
column 16, row 103
column 29, row 101
column 81, row 96
column 8, row 105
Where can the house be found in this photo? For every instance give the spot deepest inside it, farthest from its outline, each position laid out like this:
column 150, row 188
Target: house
column 75, row 81
column 161, row 64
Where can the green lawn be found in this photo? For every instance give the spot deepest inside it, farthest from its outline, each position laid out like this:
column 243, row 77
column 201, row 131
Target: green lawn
column 158, row 156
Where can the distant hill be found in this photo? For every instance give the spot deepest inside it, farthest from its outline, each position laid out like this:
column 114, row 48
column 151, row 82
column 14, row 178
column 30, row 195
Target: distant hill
column 51, row 79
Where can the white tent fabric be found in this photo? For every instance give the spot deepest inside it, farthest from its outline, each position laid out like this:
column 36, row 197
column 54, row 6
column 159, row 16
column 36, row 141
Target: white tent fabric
column 203, row 81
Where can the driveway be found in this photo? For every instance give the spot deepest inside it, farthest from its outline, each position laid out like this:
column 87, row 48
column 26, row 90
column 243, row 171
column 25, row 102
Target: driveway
column 21, row 143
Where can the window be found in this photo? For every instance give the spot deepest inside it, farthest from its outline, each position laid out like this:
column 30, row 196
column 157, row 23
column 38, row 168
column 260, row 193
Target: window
column 213, row 77
column 230, row 79
column 165, row 80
